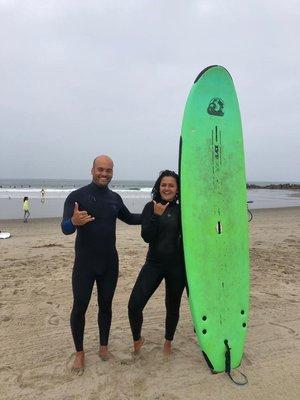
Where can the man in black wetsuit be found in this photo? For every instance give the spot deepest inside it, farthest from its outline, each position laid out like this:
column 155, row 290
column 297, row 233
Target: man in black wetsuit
column 92, row 210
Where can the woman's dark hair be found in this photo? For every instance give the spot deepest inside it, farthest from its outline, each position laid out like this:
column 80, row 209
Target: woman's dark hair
column 25, row 198
column 155, row 191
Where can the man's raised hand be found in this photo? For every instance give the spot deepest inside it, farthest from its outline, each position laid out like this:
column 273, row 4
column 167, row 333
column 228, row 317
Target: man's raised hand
column 80, row 218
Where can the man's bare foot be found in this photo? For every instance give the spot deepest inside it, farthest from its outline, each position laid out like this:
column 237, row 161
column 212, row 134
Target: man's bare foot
column 168, row 348
column 137, row 344
column 105, row 355
column 78, row 364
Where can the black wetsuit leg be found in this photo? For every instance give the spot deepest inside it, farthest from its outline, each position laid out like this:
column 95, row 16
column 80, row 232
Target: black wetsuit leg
column 175, row 283
column 106, row 286
column 147, row 282
column 83, row 279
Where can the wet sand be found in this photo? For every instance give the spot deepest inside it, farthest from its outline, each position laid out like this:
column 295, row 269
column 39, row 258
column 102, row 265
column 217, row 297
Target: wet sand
column 36, row 299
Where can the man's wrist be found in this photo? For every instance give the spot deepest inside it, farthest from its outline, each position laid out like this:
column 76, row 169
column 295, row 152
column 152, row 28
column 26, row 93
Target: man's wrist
column 68, row 227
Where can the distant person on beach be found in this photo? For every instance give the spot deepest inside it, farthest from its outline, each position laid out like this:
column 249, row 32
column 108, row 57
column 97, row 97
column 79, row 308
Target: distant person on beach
column 43, row 195
column 26, row 209
column 93, row 210
column 161, row 229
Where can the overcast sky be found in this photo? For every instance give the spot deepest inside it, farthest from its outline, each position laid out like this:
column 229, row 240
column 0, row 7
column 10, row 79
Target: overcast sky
column 89, row 77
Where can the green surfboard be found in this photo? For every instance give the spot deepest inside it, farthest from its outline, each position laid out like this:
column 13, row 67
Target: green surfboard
column 214, row 218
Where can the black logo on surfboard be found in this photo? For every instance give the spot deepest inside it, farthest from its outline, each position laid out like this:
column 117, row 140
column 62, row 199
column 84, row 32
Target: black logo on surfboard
column 216, row 107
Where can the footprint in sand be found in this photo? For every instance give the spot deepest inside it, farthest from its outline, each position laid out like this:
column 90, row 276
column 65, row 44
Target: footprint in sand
column 290, row 330
column 5, row 318
column 38, row 291
column 273, row 294
column 54, row 320
column 293, row 301
column 127, row 361
column 43, row 378
column 48, row 245
column 5, row 368
column 8, row 375
column 125, row 358
column 289, row 241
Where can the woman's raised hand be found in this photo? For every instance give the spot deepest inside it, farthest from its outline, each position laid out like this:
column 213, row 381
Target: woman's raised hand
column 159, row 208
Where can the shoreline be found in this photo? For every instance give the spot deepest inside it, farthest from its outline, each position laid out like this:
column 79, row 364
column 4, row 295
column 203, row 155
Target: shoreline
column 52, row 207
column 254, row 211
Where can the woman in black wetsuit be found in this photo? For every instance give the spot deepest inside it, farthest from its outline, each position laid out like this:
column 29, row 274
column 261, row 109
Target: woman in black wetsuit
column 161, row 229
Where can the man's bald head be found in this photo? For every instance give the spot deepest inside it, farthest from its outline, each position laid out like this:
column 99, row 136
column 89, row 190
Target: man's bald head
column 102, row 170
column 103, row 158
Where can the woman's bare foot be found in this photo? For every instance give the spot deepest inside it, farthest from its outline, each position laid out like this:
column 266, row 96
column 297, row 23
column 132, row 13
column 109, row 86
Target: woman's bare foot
column 137, row 344
column 78, row 364
column 105, row 355
column 168, row 348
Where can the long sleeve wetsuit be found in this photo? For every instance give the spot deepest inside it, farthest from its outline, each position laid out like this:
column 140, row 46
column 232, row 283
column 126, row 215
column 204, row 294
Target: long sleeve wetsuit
column 96, row 257
column 164, row 261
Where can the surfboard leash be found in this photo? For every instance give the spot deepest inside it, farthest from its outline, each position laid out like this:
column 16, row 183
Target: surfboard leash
column 228, row 366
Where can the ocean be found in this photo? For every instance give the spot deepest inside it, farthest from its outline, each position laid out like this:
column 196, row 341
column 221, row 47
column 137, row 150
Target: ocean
column 135, row 195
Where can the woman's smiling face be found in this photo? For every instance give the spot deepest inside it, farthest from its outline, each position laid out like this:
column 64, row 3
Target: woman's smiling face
column 168, row 188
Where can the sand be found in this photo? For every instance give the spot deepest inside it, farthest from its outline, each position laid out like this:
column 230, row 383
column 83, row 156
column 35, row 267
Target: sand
column 37, row 348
